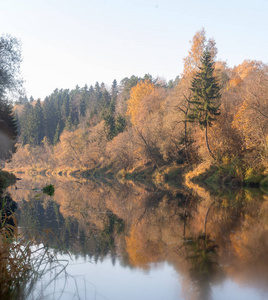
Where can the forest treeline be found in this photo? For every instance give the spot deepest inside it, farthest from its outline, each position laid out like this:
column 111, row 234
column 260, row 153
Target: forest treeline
column 211, row 112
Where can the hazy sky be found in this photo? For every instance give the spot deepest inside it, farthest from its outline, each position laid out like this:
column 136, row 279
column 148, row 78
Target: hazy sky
column 69, row 42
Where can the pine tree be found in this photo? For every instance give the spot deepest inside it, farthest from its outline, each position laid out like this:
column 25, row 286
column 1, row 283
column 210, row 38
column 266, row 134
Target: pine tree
column 110, row 125
column 120, row 124
column 65, row 105
column 114, row 90
column 50, row 119
column 68, row 124
column 206, row 95
column 57, row 135
column 28, row 125
column 8, row 124
column 39, row 122
column 114, row 93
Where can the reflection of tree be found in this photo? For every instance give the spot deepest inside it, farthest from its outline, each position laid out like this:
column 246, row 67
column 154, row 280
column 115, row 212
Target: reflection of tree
column 204, row 267
column 106, row 237
column 67, row 233
column 142, row 225
column 36, row 218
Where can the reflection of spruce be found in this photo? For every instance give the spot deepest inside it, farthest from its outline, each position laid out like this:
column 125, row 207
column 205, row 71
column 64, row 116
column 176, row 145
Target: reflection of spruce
column 204, row 266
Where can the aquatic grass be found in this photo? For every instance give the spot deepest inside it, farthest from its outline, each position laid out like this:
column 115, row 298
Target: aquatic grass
column 29, row 269
column 24, row 262
column 14, row 258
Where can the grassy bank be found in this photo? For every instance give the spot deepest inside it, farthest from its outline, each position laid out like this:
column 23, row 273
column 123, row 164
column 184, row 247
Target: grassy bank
column 233, row 174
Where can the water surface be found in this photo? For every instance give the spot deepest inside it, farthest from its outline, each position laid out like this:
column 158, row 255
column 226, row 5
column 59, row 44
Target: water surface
column 125, row 240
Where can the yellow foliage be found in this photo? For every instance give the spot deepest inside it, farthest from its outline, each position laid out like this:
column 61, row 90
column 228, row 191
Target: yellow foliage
column 242, row 71
column 198, row 45
column 235, row 81
column 243, row 123
column 226, row 159
column 137, row 93
column 246, row 68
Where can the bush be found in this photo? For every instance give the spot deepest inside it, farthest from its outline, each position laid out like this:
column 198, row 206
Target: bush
column 49, row 190
column 6, row 178
column 252, row 178
column 264, row 182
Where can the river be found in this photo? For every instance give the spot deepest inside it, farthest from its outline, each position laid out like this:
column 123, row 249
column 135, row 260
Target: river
column 124, row 240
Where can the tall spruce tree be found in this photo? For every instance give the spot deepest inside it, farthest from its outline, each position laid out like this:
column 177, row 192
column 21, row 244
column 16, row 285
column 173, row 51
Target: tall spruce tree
column 204, row 108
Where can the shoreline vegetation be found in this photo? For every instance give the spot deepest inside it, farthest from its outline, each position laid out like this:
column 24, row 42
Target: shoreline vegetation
column 206, row 174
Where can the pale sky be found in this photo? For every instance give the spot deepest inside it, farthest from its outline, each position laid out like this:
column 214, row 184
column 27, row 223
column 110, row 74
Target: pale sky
column 70, row 42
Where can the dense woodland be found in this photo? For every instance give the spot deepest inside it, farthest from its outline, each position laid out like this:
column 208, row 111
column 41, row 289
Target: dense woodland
column 211, row 112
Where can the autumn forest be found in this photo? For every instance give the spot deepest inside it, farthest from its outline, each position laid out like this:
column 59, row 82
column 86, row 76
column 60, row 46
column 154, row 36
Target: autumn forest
column 209, row 113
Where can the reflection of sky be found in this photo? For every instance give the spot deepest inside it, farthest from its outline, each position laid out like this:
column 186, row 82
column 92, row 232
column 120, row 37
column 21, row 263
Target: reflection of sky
column 232, row 291
column 86, row 280
column 115, row 282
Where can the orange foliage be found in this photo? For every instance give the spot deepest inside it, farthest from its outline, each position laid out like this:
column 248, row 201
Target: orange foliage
column 242, row 71
column 198, row 45
column 135, row 103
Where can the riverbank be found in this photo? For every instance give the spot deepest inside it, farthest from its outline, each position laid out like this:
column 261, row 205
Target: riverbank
column 226, row 174
column 232, row 175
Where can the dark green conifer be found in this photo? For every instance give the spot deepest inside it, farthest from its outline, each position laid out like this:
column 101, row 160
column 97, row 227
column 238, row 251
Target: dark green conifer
column 39, row 122
column 57, row 135
column 120, row 124
column 204, row 108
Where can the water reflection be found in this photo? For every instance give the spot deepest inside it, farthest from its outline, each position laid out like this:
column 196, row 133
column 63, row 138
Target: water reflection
column 208, row 237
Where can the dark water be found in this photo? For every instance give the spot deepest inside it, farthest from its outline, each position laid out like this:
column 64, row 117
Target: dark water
column 124, row 240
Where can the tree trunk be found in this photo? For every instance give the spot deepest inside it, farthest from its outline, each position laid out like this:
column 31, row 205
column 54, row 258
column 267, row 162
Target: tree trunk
column 147, row 146
column 186, row 142
column 211, row 154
